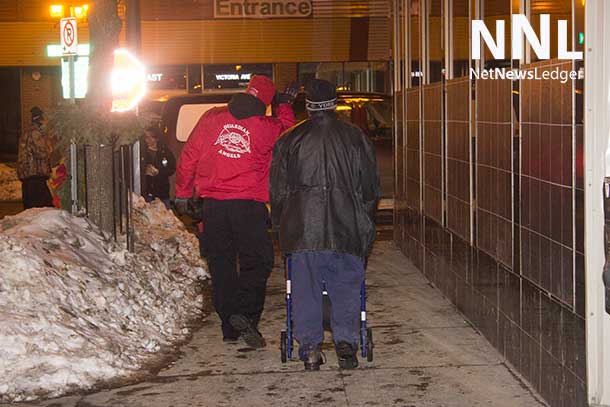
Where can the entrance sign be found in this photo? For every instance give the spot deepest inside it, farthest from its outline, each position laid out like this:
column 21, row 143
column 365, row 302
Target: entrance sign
column 128, row 81
column 68, row 36
column 262, row 8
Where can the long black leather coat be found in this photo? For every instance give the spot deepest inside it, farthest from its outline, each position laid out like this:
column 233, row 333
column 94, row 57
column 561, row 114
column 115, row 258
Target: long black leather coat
column 324, row 187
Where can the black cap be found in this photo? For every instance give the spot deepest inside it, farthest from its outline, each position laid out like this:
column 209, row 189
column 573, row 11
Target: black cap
column 320, row 95
column 37, row 113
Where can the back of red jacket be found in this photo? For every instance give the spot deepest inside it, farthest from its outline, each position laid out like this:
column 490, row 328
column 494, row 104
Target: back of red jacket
column 228, row 158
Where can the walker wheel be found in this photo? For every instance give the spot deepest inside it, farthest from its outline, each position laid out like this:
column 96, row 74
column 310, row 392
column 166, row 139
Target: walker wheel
column 283, row 346
column 369, row 344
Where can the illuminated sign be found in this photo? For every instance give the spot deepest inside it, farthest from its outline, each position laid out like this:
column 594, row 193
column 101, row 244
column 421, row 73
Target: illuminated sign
column 229, row 76
column 81, row 70
column 128, row 81
column 262, row 9
column 81, row 73
column 233, row 77
column 54, row 50
column 154, row 77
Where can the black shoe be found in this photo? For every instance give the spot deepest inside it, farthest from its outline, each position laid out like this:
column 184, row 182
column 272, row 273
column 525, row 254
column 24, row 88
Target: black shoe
column 346, row 355
column 314, row 359
column 247, row 331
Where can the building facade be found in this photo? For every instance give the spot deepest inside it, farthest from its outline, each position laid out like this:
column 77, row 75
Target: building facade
column 192, row 46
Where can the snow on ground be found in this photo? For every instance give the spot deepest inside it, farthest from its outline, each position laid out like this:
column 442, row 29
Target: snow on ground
column 10, row 186
column 77, row 309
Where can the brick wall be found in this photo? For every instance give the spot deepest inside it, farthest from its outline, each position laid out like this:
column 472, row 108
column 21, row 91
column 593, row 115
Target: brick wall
column 44, row 92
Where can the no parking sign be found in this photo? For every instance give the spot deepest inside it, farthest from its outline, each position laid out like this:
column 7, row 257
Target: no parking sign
column 68, row 37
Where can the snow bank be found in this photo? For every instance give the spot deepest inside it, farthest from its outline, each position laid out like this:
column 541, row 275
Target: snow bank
column 10, row 186
column 77, row 309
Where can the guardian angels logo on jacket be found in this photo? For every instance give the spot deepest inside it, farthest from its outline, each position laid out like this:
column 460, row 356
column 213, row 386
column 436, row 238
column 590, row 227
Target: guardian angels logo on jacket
column 234, row 141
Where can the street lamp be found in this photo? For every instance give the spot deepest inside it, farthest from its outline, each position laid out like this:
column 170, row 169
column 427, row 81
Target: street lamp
column 80, row 12
column 56, row 10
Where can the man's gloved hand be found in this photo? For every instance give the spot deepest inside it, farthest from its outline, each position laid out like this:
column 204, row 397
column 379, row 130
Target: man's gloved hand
column 182, row 206
column 290, row 93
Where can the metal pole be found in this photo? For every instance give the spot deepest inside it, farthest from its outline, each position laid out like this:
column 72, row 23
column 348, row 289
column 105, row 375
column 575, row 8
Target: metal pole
column 122, row 193
column 114, row 196
column 130, row 205
column 85, row 150
column 72, row 79
column 136, row 179
column 73, row 178
column 289, row 306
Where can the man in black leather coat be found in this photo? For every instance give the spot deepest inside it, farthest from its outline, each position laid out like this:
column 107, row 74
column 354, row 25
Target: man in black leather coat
column 324, row 193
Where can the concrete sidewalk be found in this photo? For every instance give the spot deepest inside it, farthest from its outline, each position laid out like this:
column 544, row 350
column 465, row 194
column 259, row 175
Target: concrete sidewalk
column 425, row 355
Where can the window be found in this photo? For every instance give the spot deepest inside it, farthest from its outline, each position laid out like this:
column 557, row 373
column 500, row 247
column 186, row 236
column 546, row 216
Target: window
column 460, row 27
column 167, row 77
column 369, row 77
column 494, row 10
column 436, row 53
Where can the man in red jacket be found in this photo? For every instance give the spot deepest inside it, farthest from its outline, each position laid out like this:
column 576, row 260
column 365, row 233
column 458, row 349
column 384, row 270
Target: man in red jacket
column 226, row 161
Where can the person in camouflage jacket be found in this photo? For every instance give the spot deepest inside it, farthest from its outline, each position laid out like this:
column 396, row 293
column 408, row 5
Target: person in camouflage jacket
column 33, row 163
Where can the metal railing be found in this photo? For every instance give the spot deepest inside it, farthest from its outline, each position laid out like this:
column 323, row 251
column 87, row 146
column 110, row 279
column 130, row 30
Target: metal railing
column 102, row 183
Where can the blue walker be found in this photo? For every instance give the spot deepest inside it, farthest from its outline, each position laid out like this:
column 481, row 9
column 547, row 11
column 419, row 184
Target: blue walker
column 286, row 340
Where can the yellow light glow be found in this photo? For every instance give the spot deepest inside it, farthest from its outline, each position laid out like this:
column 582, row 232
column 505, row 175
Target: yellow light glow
column 128, row 81
column 362, row 100
column 237, row 67
column 343, row 108
column 79, row 11
column 56, row 11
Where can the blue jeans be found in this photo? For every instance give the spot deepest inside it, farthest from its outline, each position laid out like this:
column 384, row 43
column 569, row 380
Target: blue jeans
column 343, row 275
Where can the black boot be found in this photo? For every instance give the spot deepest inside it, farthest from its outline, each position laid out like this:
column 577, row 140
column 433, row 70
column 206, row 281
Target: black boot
column 346, row 355
column 229, row 334
column 247, row 331
column 313, row 359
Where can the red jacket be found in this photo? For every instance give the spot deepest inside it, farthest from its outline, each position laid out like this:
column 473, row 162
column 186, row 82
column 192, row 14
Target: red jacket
column 227, row 158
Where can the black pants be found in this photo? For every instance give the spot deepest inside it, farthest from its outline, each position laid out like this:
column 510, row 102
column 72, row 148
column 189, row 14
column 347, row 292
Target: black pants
column 35, row 193
column 236, row 231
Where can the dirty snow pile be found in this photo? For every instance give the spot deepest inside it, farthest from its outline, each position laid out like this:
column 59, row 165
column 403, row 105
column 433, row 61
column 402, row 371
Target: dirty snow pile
column 76, row 309
column 10, row 186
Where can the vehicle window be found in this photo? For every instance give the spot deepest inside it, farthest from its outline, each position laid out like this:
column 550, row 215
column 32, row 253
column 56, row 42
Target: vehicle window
column 152, row 107
column 372, row 115
column 188, row 116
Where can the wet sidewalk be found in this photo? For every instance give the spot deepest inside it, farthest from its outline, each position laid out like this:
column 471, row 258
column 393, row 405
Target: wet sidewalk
column 425, row 355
